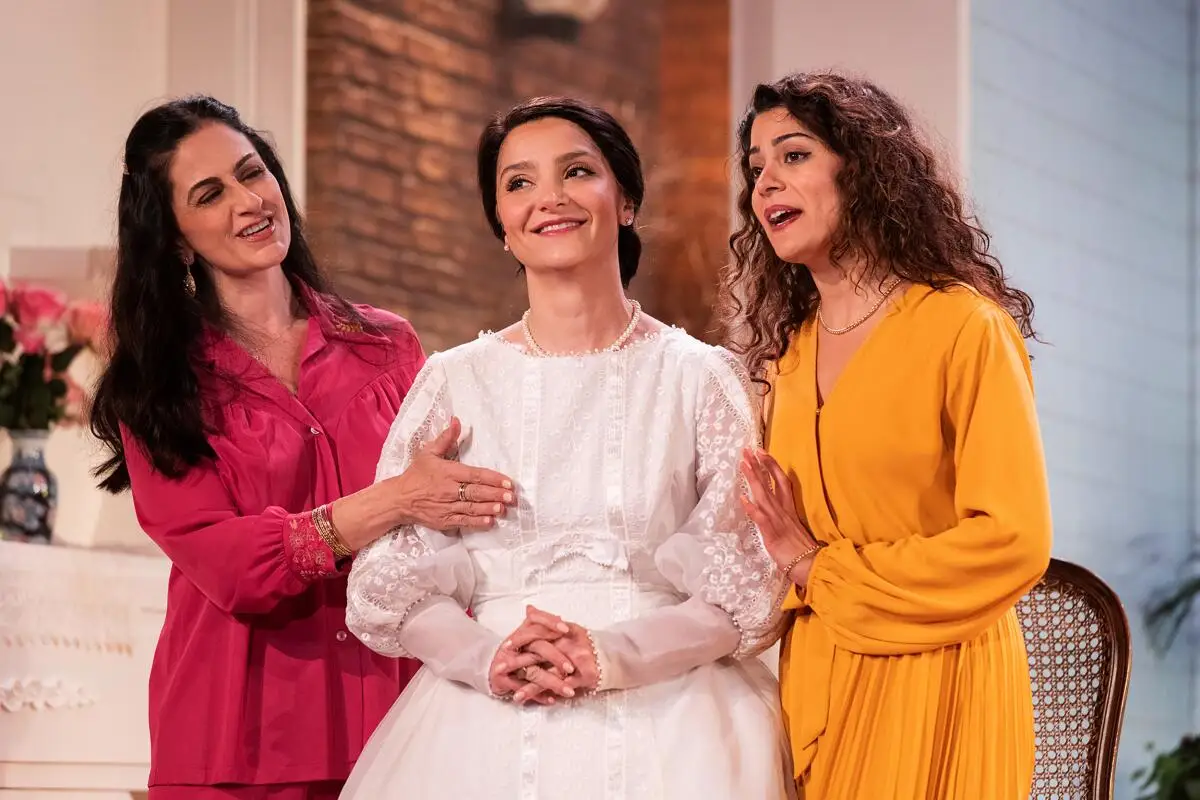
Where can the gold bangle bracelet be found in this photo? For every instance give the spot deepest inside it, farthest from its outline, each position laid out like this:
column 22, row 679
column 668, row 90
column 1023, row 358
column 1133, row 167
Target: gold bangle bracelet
column 341, row 550
column 791, row 565
column 329, row 534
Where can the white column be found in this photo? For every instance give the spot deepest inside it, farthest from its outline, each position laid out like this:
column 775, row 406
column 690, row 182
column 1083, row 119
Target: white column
column 251, row 55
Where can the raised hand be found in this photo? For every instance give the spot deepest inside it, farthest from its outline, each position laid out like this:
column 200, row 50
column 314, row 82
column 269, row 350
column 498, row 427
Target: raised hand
column 772, row 507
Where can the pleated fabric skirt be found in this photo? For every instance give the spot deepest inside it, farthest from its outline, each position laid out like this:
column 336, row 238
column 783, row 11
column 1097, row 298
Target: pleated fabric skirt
column 951, row 724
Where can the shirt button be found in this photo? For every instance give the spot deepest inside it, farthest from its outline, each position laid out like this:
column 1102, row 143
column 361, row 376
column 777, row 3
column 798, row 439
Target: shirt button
column 340, row 636
column 314, row 431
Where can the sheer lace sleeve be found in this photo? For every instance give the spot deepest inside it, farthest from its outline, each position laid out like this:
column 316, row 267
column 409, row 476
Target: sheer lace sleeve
column 716, row 557
column 408, row 590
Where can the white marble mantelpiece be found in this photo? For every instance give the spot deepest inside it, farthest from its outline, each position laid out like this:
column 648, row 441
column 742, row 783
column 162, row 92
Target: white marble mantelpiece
column 77, row 632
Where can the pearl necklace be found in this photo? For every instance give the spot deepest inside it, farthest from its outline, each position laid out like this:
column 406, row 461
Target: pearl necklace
column 620, row 342
column 870, row 313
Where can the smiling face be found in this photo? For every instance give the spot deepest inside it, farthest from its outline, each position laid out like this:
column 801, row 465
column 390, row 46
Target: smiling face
column 795, row 195
column 557, row 198
column 227, row 204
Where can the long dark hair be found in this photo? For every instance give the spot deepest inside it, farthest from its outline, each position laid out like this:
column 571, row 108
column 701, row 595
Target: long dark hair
column 900, row 215
column 610, row 137
column 150, row 384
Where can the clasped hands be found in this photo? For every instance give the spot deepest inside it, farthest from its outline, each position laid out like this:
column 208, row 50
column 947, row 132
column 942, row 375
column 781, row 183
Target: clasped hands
column 544, row 659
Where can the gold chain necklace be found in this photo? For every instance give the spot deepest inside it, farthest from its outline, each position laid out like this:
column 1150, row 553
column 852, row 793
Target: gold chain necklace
column 870, row 313
column 634, row 316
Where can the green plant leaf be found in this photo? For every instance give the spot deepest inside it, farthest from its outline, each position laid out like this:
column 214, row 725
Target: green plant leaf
column 32, row 369
column 10, row 377
column 59, row 362
column 1172, row 775
column 58, row 388
column 8, row 342
column 39, row 403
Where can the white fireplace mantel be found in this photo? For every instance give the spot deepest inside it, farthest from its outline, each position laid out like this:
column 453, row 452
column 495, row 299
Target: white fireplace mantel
column 78, row 629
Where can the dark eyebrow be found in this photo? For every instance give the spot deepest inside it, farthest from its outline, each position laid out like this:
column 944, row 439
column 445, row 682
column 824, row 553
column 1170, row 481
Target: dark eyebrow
column 520, row 165
column 214, row 181
column 778, row 140
column 571, row 156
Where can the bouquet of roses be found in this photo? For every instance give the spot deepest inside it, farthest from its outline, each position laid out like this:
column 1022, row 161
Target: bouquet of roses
column 42, row 339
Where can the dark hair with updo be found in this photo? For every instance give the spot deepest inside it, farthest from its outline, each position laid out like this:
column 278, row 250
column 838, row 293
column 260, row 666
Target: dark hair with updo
column 612, row 140
column 150, row 384
column 900, row 215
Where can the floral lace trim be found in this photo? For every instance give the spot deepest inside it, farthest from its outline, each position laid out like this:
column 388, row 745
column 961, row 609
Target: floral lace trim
column 306, row 553
column 386, row 583
column 742, row 579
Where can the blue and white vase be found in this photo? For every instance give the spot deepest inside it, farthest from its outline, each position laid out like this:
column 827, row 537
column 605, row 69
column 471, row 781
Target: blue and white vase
column 28, row 490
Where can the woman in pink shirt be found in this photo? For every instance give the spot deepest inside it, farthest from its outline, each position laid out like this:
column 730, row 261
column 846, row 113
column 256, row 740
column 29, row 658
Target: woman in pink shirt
column 245, row 405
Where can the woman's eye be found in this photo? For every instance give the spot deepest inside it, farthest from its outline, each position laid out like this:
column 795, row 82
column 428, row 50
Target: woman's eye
column 515, row 184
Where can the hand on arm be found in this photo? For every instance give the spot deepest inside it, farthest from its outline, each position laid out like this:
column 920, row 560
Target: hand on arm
column 772, row 507
column 434, row 492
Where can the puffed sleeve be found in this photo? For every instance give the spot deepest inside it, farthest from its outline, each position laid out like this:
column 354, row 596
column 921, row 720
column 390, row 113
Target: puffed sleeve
column 409, row 589
column 244, row 564
column 716, row 557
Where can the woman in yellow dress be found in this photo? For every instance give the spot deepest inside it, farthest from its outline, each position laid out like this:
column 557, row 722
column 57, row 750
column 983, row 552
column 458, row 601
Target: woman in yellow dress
column 905, row 490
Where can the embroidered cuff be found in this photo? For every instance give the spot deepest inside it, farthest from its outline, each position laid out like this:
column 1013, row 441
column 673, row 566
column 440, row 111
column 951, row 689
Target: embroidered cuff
column 306, row 552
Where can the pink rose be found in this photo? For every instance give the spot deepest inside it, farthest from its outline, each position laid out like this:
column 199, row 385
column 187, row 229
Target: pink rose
column 31, row 339
column 86, row 323
column 35, row 306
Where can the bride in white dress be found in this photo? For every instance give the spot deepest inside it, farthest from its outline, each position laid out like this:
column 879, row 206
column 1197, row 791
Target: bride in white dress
column 623, row 437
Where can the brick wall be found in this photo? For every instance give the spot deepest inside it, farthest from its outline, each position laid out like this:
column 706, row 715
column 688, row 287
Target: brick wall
column 1080, row 137
column 689, row 217
column 398, row 91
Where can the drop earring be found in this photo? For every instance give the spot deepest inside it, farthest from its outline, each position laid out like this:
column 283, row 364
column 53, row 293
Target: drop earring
column 189, row 281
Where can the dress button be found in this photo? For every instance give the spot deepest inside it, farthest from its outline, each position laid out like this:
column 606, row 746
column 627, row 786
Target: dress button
column 340, row 636
column 314, row 431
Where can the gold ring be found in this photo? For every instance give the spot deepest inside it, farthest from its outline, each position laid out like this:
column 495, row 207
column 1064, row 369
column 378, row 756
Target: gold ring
column 462, row 493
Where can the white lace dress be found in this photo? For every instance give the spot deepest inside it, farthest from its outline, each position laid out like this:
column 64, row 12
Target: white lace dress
column 628, row 522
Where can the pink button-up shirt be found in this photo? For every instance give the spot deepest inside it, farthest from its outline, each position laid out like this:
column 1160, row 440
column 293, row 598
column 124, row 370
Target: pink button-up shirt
column 255, row 678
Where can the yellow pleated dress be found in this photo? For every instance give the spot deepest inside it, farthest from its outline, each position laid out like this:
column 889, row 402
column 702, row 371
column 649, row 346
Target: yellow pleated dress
column 904, row 673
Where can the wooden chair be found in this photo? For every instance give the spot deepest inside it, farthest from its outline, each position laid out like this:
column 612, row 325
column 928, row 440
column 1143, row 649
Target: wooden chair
column 1077, row 637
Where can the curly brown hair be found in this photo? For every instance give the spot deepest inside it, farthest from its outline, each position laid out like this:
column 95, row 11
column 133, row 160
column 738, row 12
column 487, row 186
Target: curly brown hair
column 900, row 215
